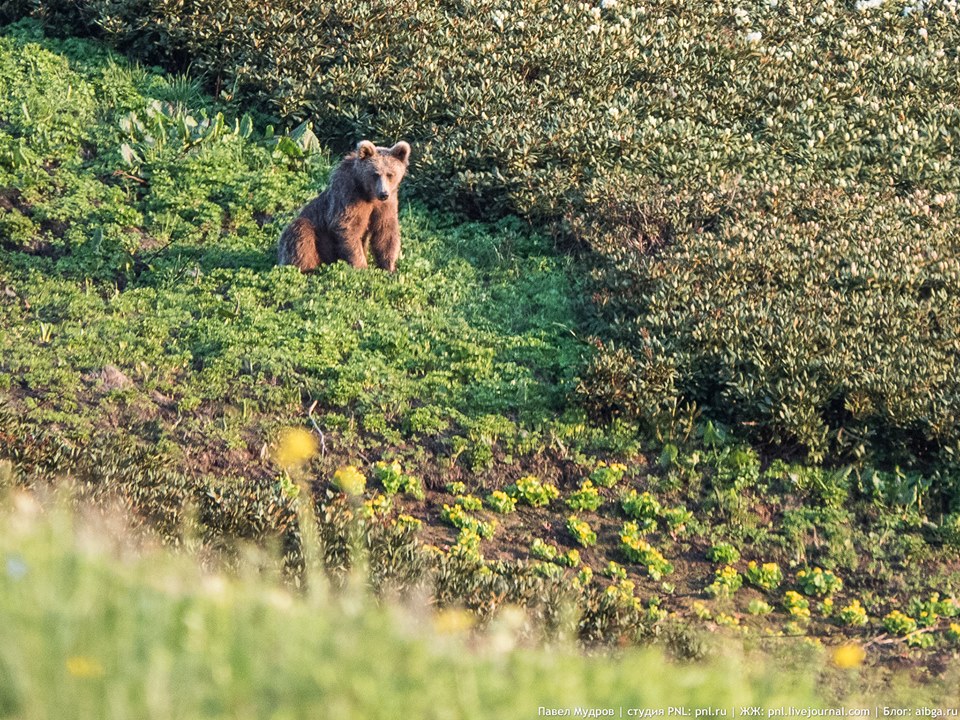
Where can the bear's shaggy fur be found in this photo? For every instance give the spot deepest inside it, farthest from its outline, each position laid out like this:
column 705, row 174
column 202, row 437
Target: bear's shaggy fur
column 358, row 209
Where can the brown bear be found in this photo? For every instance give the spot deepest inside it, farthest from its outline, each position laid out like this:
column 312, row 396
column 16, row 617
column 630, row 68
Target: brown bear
column 358, row 208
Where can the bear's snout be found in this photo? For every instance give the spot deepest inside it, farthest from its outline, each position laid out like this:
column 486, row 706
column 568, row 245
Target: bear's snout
column 383, row 195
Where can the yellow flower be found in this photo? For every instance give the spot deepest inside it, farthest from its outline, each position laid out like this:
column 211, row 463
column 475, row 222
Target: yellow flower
column 953, row 632
column 452, row 621
column 296, row 446
column 350, row 480
column 850, row 655
column 81, row 666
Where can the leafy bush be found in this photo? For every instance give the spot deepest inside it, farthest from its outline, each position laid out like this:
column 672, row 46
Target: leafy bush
column 394, row 480
column 500, row 502
column 723, row 553
column 853, row 614
column 581, row 531
column 766, row 577
column 608, row 475
column 678, row 520
column 638, row 550
column 640, row 506
column 469, row 502
column 457, row 516
column 818, row 582
column 615, row 570
column 950, row 530
column 551, row 553
column 586, row 498
column 533, row 492
column 725, row 583
column 896, row 623
column 796, row 604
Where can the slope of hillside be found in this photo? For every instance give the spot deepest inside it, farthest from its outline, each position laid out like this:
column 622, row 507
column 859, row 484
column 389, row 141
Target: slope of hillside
column 153, row 355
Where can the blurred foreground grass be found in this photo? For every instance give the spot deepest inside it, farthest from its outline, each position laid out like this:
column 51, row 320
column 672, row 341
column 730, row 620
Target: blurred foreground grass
column 91, row 628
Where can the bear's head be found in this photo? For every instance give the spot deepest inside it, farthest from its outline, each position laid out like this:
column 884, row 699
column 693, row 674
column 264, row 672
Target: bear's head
column 380, row 170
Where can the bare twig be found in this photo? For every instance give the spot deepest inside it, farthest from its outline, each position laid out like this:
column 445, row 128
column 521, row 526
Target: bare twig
column 128, row 176
column 323, row 438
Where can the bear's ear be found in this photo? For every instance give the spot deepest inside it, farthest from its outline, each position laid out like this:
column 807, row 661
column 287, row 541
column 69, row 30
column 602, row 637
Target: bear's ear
column 366, row 149
column 401, row 151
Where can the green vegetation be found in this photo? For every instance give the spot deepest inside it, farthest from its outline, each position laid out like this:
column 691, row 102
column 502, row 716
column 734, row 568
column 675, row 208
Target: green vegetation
column 586, row 498
column 94, row 629
column 153, row 358
column 725, row 583
column 767, row 576
column 799, row 186
column 533, row 492
column 723, row 553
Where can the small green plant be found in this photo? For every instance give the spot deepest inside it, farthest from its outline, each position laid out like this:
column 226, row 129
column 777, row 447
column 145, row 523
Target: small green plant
column 622, row 593
column 723, row 553
column 678, row 520
column 953, row 633
column 585, row 576
column 615, row 570
column 853, row 615
column 897, row 623
column 408, row 521
column 549, row 570
column 766, row 577
column 456, row 488
column 608, row 475
column 586, row 498
column 378, row 505
column 759, row 607
column 725, row 583
column 818, row 582
column 640, row 506
column 725, row 620
column 457, row 516
column 638, row 550
column 467, row 546
column 581, row 531
column 928, row 612
column 922, row 640
column 950, row 530
column 394, row 480
column 533, row 492
column 796, row 604
column 543, row 550
column 736, row 467
column 551, row 553
column 500, row 502
column 287, row 485
column 469, row 502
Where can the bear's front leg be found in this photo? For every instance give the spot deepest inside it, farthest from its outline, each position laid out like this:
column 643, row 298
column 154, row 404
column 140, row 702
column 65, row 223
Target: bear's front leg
column 352, row 251
column 385, row 237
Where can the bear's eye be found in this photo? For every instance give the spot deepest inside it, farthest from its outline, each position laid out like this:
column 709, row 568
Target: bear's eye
column 389, row 176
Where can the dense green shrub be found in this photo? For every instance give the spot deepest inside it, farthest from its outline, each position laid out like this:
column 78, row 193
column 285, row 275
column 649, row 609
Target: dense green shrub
column 827, row 316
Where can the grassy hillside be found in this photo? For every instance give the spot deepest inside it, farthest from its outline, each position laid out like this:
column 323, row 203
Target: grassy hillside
column 768, row 190
column 153, row 358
